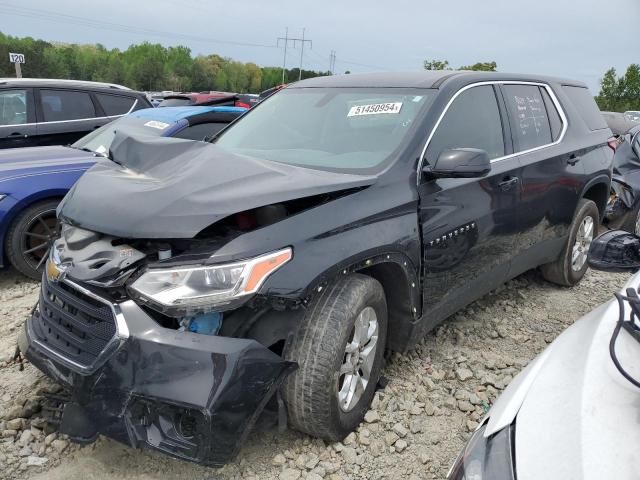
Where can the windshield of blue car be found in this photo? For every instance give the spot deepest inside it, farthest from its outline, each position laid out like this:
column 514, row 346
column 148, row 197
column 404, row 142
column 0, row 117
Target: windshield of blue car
column 354, row 130
column 99, row 140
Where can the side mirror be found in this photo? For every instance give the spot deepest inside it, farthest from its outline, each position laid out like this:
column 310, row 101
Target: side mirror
column 461, row 163
column 615, row 251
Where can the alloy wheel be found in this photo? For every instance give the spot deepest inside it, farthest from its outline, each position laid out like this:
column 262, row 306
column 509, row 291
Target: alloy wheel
column 359, row 356
column 584, row 237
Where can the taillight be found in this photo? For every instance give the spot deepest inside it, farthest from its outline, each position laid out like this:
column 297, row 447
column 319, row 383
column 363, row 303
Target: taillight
column 242, row 104
column 613, row 143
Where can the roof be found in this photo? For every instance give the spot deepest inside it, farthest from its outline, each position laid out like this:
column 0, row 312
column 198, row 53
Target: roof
column 53, row 81
column 422, row 79
column 175, row 114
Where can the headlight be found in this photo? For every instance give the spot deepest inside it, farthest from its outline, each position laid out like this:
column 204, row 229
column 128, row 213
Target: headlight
column 208, row 285
column 485, row 458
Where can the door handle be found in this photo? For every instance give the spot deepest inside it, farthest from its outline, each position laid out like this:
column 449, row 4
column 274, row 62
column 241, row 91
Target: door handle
column 573, row 159
column 17, row 134
column 508, row 183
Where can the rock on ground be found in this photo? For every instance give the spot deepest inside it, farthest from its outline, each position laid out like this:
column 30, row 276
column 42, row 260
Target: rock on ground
column 436, row 394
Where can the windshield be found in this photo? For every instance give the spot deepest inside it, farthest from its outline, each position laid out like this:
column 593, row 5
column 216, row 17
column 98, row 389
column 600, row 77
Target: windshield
column 354, row 129
column 100, row 140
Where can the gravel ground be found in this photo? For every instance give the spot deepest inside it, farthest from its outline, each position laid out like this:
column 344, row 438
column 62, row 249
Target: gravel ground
column 418, row 423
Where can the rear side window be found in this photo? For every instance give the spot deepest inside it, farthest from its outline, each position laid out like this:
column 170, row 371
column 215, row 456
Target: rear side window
column 115, row 104
column 530, row 123
column 555, row 122
column 586, row 106
column 60, row 105
column 472, row 121
column 13, row 107
column 200, row 131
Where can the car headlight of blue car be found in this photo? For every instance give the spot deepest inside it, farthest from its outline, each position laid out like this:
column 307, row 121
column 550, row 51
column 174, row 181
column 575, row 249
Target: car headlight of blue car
column 486, row 458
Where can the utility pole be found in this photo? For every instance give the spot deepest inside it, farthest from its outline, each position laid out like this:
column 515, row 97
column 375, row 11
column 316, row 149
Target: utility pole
column 288, row 39
column 332, row 61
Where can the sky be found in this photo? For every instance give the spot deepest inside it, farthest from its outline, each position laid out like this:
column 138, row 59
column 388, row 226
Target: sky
column 578, row 39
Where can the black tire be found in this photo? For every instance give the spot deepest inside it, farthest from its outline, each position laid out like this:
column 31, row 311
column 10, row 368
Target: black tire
column 630, row 224
column 27, row 232
column 319, row 349
column 561, row 272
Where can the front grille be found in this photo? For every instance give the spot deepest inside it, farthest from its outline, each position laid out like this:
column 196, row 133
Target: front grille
column 72, row 324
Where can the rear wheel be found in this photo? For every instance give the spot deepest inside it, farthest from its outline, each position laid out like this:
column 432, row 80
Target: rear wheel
column 339, row 347
column 30, row 236
column 571, row 266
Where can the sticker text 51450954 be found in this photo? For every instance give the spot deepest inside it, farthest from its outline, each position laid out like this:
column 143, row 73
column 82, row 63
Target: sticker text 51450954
column 375, row 109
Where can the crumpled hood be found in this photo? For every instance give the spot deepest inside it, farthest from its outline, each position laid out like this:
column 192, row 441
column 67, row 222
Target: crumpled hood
column 580, row 419
column 20, row 161
column 174, row 188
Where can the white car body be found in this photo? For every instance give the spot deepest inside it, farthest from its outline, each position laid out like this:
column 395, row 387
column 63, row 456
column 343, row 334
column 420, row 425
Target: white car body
column 576, row 416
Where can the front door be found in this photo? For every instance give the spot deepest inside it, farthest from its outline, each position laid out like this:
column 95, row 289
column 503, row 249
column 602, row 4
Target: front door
column 468, row 225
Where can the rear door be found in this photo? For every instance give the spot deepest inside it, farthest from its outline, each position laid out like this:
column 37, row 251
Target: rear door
column 468, row 224
column 17, row 117
column 65, row 115
column 551, row 174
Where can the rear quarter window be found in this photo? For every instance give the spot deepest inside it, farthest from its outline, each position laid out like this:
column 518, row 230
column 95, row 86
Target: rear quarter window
column 115, row 104
column 586, row 106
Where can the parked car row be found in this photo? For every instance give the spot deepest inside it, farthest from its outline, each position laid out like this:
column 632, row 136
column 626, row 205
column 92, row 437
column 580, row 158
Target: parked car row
column 33, row 180
column 196, row 285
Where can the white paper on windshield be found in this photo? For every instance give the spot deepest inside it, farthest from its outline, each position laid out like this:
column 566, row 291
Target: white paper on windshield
column 375, row 109
column 156, row 124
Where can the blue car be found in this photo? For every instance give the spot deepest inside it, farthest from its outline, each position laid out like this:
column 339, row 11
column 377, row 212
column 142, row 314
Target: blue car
column 34, row 180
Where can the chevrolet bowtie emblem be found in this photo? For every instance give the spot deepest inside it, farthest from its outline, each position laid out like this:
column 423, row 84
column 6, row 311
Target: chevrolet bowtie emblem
column 54, row 272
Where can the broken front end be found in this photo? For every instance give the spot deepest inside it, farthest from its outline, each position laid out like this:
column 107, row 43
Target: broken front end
column 158, row 357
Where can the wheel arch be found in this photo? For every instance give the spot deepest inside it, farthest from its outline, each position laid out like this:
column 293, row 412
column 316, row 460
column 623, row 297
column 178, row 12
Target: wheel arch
column 598, row 190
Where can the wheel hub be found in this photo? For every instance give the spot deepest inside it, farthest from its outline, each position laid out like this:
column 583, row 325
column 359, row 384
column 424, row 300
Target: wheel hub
column 359, row 356
column 584, row 237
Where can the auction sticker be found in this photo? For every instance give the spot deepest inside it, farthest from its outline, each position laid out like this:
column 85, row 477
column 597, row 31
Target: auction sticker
column 156, row 124
column 375, row 109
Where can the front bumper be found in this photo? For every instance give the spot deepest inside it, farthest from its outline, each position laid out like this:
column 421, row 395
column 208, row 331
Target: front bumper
column 191, row 396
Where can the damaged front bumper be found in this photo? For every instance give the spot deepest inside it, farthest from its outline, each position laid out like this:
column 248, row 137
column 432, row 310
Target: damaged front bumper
column 192, row 396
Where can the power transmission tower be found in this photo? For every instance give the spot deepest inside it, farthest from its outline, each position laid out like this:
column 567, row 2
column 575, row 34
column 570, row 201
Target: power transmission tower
column 288, row 39
column 332, row 61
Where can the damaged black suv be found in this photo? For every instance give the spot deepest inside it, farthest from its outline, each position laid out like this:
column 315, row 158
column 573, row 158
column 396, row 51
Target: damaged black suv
column 197, row 285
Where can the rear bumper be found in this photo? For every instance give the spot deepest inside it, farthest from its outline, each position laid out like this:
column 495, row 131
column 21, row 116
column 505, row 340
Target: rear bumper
column 191, row 396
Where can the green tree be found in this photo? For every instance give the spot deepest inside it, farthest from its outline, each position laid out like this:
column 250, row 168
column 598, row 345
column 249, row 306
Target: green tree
column 481, row 67
column 436, row 65
column 618, row 94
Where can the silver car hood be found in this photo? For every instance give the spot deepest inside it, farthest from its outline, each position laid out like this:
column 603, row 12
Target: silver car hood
column 578, row 417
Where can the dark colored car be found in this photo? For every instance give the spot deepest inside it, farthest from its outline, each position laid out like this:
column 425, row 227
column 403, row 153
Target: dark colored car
column 623, row 208
column 197, row 285
column 33, row 180
column 39, row 112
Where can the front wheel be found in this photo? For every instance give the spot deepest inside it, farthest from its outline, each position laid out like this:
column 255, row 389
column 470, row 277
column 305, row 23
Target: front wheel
column 571, row 266
column 339, row 347
column 30, row 236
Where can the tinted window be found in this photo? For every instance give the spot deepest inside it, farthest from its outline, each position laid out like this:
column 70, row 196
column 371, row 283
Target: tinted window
column 472, row 121
column 115, row 104
column 530, row 124
column 586, row 106
column 176, row 102
column 555, row 122
column 13, row 107
column 66, row 105
column 198, row 132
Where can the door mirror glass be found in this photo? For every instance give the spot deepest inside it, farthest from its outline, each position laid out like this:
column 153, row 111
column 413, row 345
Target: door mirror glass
column 615, row 251
column 461, row 163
